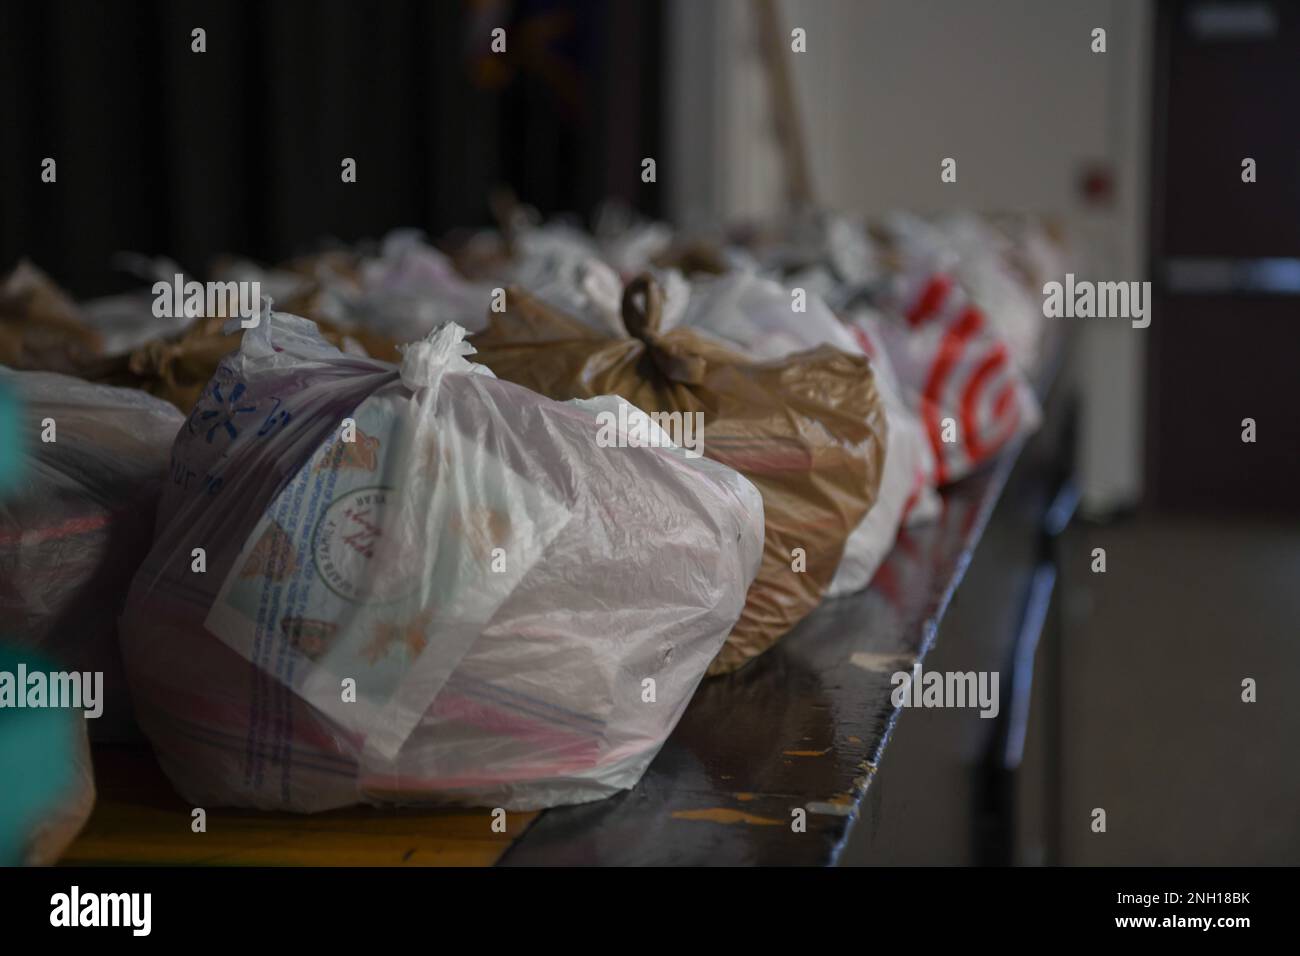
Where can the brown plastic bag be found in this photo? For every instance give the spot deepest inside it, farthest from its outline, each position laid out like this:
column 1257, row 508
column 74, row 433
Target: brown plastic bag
column 177, row 369
column 40, row 327
column 807, row 430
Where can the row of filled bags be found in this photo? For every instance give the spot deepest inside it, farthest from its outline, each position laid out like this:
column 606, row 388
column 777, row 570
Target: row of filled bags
column 331, row 569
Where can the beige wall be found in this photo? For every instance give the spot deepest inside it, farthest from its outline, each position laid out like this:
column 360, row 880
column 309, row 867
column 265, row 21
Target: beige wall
column 888, row 88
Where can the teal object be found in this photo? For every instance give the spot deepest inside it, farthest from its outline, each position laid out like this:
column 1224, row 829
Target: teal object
column 12, row 440
column 37, row 758
column 37, row 762
column 38, row 745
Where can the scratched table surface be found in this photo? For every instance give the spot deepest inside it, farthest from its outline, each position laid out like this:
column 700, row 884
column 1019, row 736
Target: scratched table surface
column 804, row 726
column 801, row 728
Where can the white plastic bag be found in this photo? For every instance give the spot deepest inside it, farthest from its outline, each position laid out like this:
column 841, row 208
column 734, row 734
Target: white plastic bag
column 405, row 292
column 978, row 255
column 126, row 321
column 79, row 522
column 402, row 291
column 907, row 494
column 561, row 266
column 956, row 370
column 463, row 604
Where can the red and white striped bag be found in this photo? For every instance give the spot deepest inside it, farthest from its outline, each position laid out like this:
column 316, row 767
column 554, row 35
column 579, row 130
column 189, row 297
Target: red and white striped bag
column 957, row 372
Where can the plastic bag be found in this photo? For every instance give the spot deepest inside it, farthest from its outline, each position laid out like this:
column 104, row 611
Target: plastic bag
column 79, row 522
column 957, row 372
column 462, row 604
column 178, row 368
column 126, row 322
column 980, row 257
column 739, row 310
column 807, row 430
column 754, row 315
column 400, row 292
column 757, row 316
column 908, row 482
column 40, row 326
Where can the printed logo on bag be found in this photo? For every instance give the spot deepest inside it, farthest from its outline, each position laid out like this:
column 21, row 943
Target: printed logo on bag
column 231, row 300
column 223, row 410
column 968, row 377
column 346, row 543
column 72, row 690
column 1100, row 300
column 946, row 689
column 74, row 908
column 339, row 589
column 632, row 428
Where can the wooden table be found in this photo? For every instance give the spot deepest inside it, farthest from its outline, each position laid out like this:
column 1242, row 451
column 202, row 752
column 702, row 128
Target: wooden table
column 139, row 819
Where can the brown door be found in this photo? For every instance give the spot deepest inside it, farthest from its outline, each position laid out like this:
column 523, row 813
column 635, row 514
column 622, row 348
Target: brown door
column 1224, row 340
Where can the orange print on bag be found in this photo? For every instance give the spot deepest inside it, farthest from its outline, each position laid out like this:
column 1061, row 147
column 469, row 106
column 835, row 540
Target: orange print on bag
column 361, row 454
column 272, row 557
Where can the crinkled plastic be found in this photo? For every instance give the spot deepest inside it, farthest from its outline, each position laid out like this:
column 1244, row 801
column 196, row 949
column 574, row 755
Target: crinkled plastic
column 79, row 522
column 470, row 602
column 957, row 372
column 754, row 315
column 980, row 257
column 561, row 266
column 126, row 322
column 401, row 292
column 807, row 429
column 817, row 249
column 758, row 316
column 118, row 341
column 40, row 326
column 909, row 479
column 178, row 368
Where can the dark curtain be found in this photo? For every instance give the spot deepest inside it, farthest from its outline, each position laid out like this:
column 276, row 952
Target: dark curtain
column 163, row 150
